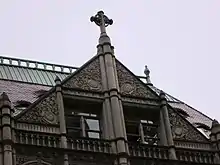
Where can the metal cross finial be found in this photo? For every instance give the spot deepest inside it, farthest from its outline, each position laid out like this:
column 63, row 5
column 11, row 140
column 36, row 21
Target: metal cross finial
column 101, row 20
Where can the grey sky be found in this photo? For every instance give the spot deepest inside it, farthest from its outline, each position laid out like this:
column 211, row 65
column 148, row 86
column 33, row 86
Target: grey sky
column 178, row 39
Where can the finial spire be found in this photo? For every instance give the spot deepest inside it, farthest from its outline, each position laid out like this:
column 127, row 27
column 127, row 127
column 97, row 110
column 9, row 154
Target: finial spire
column 147, row 73
column 101, row 20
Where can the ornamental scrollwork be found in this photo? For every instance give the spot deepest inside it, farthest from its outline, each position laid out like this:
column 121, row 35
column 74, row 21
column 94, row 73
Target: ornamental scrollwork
column 181, row 130
column 88, row 78
column 131, row 85
column 45, row 112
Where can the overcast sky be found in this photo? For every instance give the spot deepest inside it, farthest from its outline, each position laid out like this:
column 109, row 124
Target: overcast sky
column 178, row 39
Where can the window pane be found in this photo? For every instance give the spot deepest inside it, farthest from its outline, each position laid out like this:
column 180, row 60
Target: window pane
column 72, row 121
column 92, row 124
column 73, row 133
column 93, row 135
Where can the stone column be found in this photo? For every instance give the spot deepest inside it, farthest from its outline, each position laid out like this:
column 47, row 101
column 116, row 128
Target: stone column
column 215, row 139
column 168, row 131
column 162, row 131
column 62, row 122
column 112, row 103
column 107, row 126
column 7, row 140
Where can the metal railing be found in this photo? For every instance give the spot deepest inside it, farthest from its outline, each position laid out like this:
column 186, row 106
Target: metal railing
column 36, row 65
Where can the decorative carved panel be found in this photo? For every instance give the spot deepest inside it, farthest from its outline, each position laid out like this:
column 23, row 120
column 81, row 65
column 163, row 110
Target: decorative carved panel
column 36, row 156
column 44, row 112
column 86, row 78
column 89, row 159
column 182, row 130
column 130, row 85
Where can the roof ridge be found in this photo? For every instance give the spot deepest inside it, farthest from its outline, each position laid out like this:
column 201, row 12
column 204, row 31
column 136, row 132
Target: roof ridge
column 182, row 102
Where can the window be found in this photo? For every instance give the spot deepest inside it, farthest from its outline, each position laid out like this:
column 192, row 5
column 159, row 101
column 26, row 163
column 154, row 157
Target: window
column 83, row 125
column 143, row 131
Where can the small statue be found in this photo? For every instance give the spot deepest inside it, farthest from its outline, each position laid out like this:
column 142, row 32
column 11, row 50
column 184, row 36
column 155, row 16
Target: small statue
column 147, row 73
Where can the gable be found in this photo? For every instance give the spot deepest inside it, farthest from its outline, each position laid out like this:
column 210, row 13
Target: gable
column 132, row 86
column 44, row 112
column 88, row 77
column 183, row 130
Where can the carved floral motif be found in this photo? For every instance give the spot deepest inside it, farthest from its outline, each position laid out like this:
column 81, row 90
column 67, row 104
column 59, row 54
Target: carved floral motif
column 182, row 130
column 45, row 112
column 89, row 78
column 130, row 85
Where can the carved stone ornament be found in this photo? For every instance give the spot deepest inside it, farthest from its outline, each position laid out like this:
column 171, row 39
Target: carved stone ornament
column 88, row 78
column 182, row 130
column 82, row 93
column 140, row 101
column 131, row 85
column 89, row 159
column 44, row 112
column 30, row 160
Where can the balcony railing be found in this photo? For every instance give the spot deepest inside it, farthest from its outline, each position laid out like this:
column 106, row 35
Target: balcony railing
column 162, row 153
column 87, row 144
column 148, row 151
column 51, row 140
column 205, row 157
column 104, row 146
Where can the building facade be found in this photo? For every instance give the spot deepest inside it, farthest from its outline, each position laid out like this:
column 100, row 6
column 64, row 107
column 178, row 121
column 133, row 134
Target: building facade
column 100, row 113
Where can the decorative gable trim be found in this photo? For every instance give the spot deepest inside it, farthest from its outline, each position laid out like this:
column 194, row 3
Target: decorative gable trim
column 183, row 130
column 44, row 111
column 132, row 86
column 87, row 78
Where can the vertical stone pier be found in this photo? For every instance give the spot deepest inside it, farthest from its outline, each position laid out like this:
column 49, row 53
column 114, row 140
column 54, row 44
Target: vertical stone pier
column 7, row 120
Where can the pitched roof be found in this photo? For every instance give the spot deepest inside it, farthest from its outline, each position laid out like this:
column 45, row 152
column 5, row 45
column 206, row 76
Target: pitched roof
column 33, row 76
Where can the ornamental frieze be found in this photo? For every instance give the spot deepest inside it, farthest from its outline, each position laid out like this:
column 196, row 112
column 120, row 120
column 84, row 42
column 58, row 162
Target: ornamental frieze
column 44, row 112
column 33, row 160
column 82, row 93
column 182, row 130
column 130, row 85
column 88, row 78
column 141, row 101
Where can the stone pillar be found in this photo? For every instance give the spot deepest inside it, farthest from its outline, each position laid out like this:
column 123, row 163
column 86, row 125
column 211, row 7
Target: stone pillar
column 215, row 139
column 113, row 102
column 113, row 107
column 168, row 131
column 107, row 128
column 162, row 131
column 6, row 123
column 60, row 105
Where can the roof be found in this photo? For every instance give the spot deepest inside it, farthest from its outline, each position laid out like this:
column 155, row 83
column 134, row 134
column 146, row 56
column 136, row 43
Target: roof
column 33, row 77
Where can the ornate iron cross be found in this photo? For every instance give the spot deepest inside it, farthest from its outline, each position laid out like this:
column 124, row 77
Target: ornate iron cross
column 101, row 20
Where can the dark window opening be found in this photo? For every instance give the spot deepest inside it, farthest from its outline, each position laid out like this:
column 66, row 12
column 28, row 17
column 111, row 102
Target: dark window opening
column 22, row 104
column 83, row 125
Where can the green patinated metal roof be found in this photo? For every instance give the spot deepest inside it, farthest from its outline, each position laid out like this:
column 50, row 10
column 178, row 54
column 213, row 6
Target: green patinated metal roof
column 32, row 71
